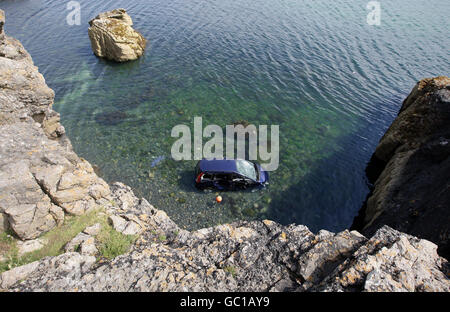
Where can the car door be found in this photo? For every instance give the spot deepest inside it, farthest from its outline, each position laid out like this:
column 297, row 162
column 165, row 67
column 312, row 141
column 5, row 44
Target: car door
column 239, row 181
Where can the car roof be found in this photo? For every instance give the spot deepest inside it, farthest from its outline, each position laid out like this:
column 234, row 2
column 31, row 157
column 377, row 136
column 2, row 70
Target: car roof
column 218, row 165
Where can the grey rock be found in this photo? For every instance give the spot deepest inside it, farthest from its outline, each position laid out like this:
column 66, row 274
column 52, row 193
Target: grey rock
column 71, row 264
column 48, row 177
column 123, row 196
column 248, row 256
column 132, row 228
column 126, row 224
column 118, row 223
column 30, row 246
column 93, row 230
column 390, row 261
column 88, row 247
column 76, row 242
column 13, row 276
column 244, row 256
column 321, row 259
column 23, row 201
column 57, row 214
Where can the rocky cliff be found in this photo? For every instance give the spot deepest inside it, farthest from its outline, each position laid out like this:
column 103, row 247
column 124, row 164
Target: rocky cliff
column 410, row 169
column 42, row 180
column 244, row 256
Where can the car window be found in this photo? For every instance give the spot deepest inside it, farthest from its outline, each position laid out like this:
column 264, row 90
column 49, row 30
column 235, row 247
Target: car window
column 246, row 168
column 236, row 177
column 207, row 176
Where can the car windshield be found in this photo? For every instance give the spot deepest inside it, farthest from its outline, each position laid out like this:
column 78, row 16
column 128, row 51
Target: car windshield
column 246, row 168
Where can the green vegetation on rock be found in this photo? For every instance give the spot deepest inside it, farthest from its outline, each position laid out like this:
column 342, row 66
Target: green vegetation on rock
column 110, row 242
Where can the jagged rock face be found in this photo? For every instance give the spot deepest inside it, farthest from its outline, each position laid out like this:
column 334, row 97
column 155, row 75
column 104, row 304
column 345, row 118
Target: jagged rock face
column 390, row 262
column 410, row 168
column 23, row 89
column 41, row 178
column 113, row 37
column 243, row 256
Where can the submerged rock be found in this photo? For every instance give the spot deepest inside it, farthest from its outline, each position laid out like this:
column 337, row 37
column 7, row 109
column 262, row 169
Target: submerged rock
column 113, row 37
column 156, row 161
column 111, row 118
column 243, row 123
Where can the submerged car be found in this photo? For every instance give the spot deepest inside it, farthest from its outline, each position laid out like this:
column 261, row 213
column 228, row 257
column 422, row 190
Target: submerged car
column 229, row 174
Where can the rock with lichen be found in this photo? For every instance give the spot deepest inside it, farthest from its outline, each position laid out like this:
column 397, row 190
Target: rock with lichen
column 113, row 37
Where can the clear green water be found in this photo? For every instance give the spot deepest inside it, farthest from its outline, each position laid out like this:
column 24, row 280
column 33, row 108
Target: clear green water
column 332, row 83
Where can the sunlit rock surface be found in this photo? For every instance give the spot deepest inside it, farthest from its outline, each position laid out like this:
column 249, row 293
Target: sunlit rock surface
column 244, row 256
column 113, row 37
column 41, row 178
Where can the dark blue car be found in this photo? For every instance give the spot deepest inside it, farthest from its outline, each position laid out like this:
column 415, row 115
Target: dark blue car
column 229, row 174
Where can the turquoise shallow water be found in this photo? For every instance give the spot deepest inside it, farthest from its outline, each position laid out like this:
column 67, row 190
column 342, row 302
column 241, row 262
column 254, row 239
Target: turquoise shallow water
column 316, row 68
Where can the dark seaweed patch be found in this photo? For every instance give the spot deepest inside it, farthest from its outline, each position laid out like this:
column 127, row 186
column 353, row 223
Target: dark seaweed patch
column 111, row 118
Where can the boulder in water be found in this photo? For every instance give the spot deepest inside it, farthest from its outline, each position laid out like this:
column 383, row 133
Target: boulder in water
column 113, row 37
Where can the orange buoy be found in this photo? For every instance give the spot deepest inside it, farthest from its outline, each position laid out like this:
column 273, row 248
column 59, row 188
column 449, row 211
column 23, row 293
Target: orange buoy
column 219, row 199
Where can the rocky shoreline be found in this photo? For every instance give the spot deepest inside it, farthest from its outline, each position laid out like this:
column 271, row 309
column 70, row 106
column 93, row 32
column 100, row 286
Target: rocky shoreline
column 42, row 181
